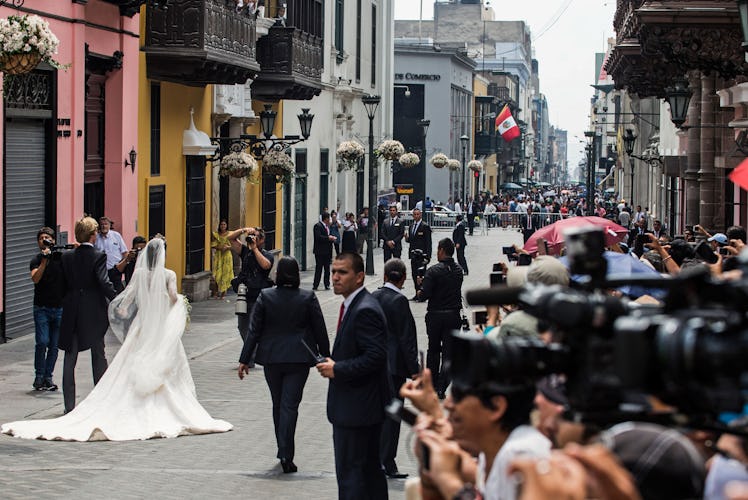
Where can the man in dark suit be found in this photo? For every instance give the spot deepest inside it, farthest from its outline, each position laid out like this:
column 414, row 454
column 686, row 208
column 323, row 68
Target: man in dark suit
column 402, row 354
column 529, row 224
column 418, row 237
column 322, row 250
column 392, row 232
column 458, row 237
column 358, row 384
column 88, row 291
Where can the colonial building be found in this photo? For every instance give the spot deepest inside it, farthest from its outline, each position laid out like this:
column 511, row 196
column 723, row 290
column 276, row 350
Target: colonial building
column 67, row 138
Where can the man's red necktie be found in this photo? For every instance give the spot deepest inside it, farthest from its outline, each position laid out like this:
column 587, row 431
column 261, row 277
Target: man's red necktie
column 340, row 316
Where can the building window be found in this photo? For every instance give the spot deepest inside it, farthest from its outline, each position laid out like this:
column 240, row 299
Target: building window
column 156, row 210
column 155, row 129
column 307, row 15
column 339, row 31
column 269, row 209
column 358, row 40
column 324, row 178
column 373, row 45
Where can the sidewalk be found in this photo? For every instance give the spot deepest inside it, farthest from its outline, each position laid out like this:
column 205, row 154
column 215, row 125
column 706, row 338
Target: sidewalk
column 240, row 462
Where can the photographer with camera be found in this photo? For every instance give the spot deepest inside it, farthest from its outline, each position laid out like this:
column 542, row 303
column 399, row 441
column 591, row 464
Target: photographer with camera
column 255, row 272
column 442, row 288
column 418, row 236
column 138, row 244
column 49, row 290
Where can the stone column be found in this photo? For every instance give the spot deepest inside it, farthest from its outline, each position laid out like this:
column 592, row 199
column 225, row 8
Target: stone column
column 707, row 208
column 690, row 177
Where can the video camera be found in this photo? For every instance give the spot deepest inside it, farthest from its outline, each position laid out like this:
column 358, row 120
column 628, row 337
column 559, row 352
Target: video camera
column 56, row 249
column 421, row 261
column 615, row 354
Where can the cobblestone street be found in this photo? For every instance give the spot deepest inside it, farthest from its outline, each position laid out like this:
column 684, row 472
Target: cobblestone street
column 239, row 463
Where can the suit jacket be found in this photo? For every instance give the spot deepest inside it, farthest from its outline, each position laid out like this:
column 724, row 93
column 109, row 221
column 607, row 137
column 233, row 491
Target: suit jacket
column 533, row 221
column 393, row 232
column 281, row 318
column 458, row 234
column 87, row 295
column 358, row 392
column 420, row 239
column 322, row 244
column 402, row 346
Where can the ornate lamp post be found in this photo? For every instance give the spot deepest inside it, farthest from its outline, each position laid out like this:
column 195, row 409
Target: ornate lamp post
column 464, row 141
column 590, row 172
column 679, row 97
column 371, row 103
column 629, row 139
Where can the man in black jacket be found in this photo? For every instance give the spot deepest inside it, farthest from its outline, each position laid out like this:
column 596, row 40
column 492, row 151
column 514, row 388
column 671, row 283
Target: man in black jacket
column 322, row 250
column 418, row 237
column 255, row 273
column 391, row 232
column 442, row 287
column 84, row 308
column 402, row 353
column 458, row 236
column 358, row 384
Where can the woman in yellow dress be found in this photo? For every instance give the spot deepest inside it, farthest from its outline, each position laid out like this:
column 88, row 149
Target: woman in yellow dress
column 223, row 262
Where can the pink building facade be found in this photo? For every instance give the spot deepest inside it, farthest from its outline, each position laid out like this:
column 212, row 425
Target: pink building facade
column 66, row 136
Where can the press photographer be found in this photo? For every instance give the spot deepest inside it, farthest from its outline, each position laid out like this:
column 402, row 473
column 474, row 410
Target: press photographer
column 255, row 272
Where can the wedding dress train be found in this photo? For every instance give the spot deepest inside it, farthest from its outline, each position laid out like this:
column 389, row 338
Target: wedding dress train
column 147, row 391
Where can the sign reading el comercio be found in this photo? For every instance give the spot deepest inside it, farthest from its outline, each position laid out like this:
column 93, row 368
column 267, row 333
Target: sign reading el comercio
column 417, row 76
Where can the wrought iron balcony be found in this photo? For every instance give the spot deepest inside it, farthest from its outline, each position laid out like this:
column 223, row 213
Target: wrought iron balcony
column 290, row 65
column 486, row 144
column 197, row 42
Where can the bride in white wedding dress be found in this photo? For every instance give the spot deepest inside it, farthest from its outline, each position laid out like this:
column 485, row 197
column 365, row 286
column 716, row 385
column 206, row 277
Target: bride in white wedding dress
column 147, row 391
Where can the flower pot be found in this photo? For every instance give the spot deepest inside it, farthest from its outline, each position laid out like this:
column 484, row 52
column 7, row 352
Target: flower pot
column 18, row 64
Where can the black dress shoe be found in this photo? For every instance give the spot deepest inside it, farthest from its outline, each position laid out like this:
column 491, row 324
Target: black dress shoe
column 288, row 466
column 49, row 385
column 394, row 474
column 38, row 384
column 314, row 288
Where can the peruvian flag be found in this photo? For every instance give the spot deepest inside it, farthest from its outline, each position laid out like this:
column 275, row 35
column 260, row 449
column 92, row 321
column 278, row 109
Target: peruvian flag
column 740, row 175
column 506, row 126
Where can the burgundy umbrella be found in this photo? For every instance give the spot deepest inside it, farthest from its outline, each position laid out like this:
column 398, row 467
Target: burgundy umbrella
column 554, row 233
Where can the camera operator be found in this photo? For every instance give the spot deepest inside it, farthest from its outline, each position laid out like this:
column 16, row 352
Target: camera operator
column 442, row 288
column 418, row 236
column 255, row 272
column 49, row 289
column 138, row 244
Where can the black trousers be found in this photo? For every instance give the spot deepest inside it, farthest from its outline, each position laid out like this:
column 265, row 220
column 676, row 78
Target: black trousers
column 391, row 252
column 461, row 258
column 242, row 322
column 471, row 223
column 414, row 264
column 359, row 473
column 439, row 328
column 391, row 431
column 286, row 383
column 98, row 366
column 526, row 233
column 322, row 262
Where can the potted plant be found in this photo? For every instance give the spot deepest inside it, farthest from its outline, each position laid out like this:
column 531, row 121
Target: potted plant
column 349, row 153
column 390, row 150
column 25, row 41
column 453, row 164
column 409, row 160
column 475, row 165
column 279, row 164
column 237, row 164
column 439, row 160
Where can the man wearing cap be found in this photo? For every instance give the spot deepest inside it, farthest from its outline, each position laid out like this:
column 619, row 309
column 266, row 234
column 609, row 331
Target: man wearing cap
column 718, row 240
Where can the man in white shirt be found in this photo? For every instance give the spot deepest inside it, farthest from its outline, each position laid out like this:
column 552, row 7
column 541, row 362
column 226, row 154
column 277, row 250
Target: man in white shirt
column 113, row 245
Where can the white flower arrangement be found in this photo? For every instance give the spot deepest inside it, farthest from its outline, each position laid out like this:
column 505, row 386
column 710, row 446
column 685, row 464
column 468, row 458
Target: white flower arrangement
column 350, row 152
column 409, row 160
column 453, row 164
column 28, row 36
column 279, row 164
column 475, row 165
column 390, row 149
column 237, row 164
column 439, row 160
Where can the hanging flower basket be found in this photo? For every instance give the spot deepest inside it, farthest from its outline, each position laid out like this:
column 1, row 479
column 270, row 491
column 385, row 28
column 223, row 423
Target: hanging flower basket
column 25, row 41
column 279, row 164
column 390, row 150
column 349, row 153
column 453, row 164
column 409, row 160
column 475, row 165
column 439, row 160
column 237, row 164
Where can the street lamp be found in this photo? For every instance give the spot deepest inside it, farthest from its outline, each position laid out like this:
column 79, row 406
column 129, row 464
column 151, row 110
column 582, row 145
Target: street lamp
column 464, row 141
column 629, row 139
column 590, row 171
column 371, row 103
column 679, row 97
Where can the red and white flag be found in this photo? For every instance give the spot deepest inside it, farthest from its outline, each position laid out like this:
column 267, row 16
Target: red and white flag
column 506, row 126
column 740, row 175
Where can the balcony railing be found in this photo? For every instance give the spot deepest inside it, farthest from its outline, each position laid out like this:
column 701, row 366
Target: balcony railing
column 197, row 42
column 486, row 144
column 290, row 65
